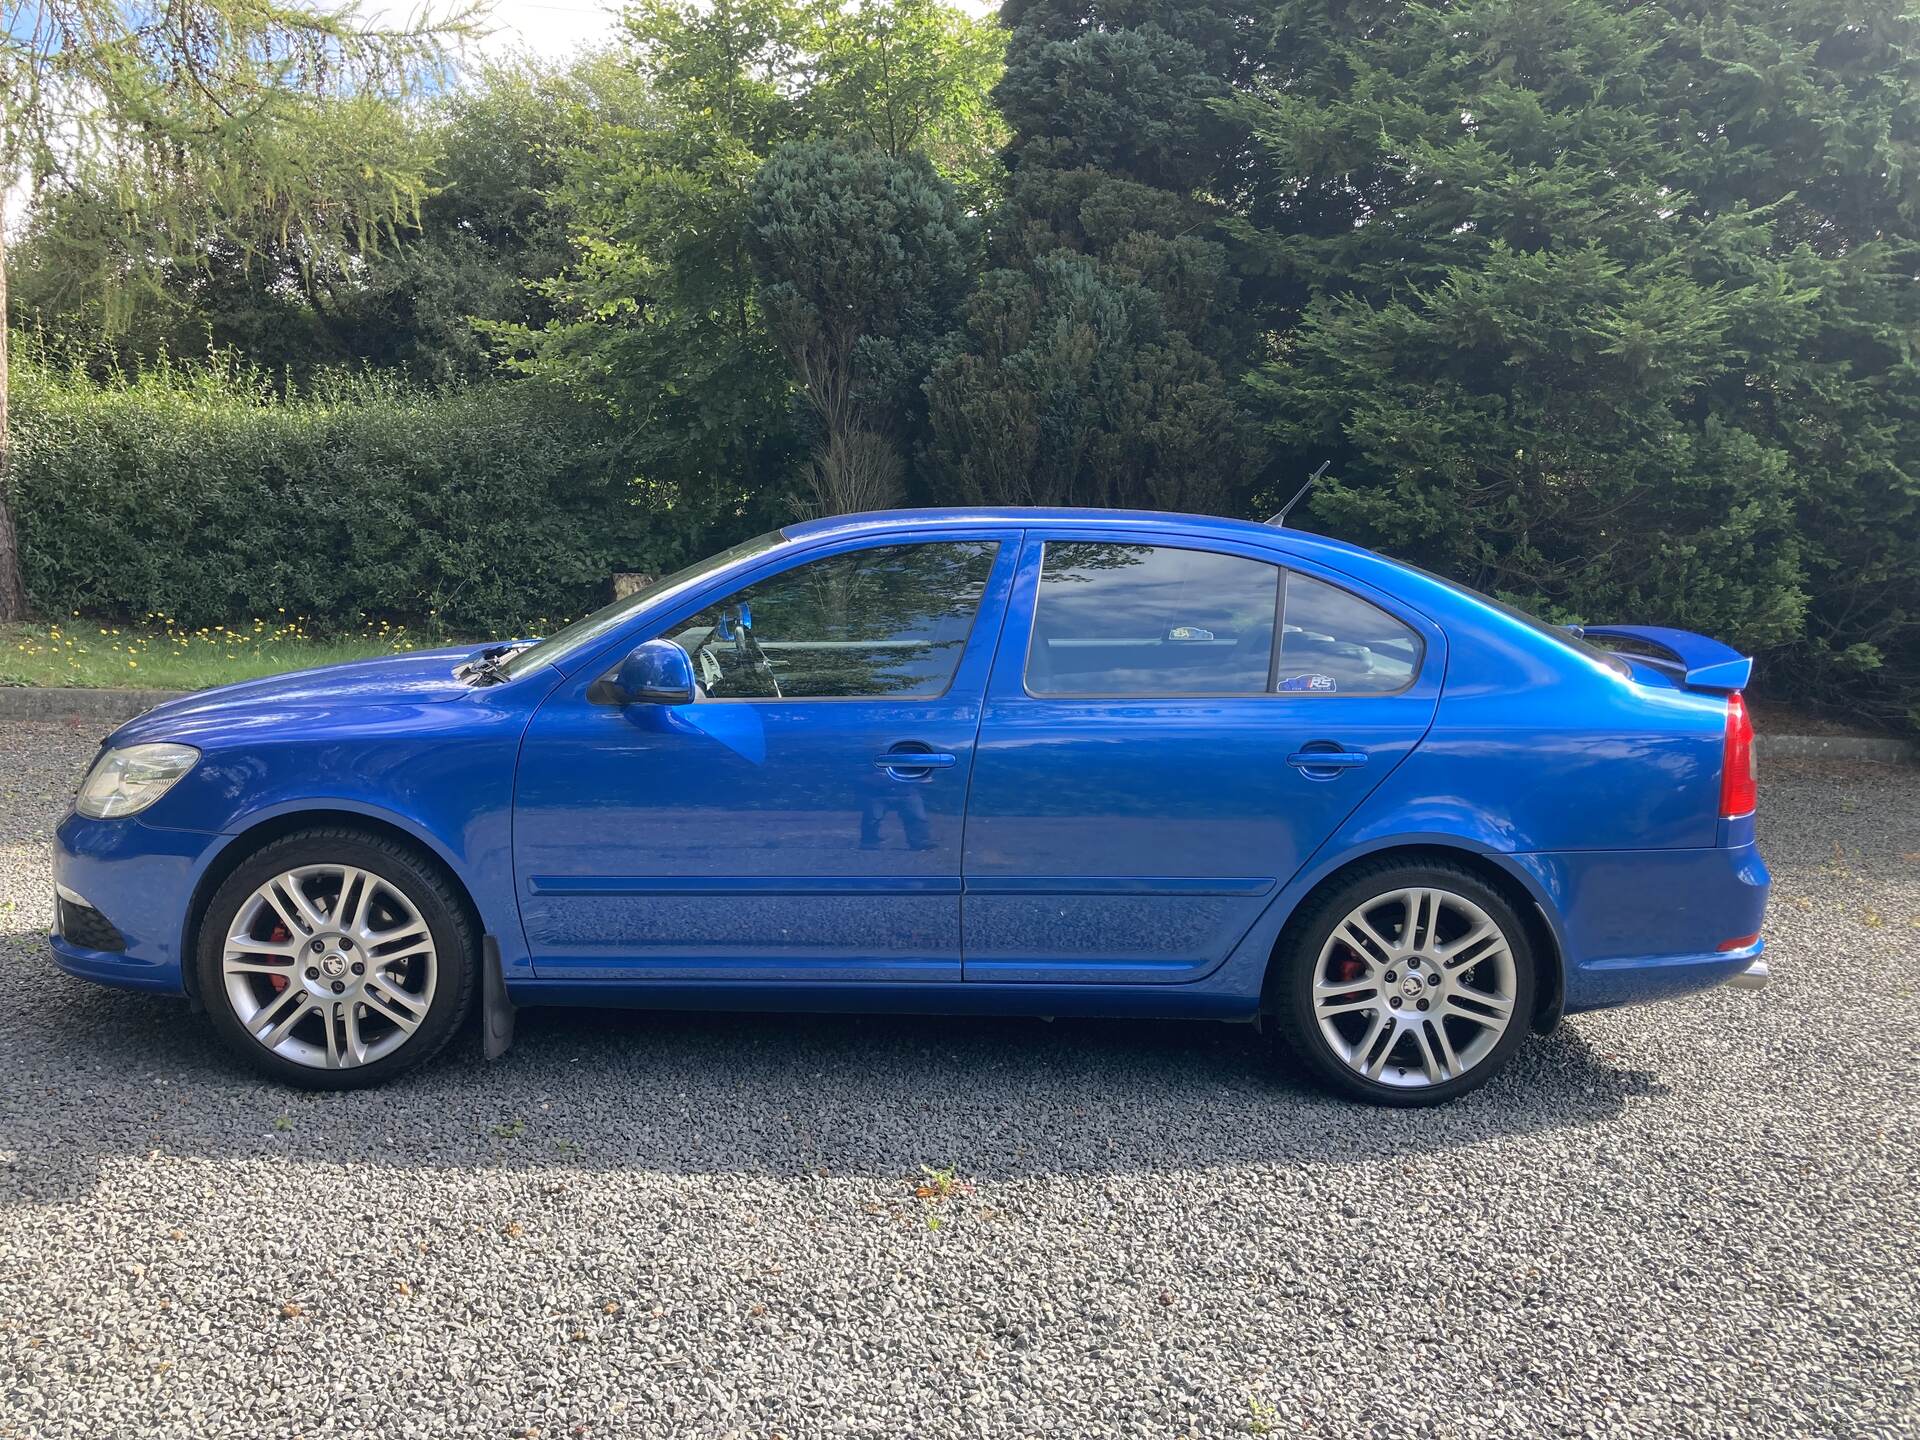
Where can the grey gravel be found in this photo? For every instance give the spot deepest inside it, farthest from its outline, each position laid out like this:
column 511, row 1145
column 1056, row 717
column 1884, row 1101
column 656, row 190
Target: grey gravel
column 1694, row 1219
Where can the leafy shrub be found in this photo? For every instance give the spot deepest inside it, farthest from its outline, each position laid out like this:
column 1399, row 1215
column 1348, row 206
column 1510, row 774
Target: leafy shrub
column 204, row 494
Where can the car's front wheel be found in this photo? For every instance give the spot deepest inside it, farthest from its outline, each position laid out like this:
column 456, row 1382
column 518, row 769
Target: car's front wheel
column 1407, row 984
column 333, row 959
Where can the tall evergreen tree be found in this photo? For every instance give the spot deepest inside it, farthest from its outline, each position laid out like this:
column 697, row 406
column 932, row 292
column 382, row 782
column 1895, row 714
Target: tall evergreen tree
column 863, row 257
column 661, row 316
column 1095, row 362
column 1609, row 305
column 657, row 319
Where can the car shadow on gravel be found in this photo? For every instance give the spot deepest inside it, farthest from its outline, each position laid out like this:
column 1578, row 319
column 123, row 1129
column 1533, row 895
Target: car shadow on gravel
column 106, row 1078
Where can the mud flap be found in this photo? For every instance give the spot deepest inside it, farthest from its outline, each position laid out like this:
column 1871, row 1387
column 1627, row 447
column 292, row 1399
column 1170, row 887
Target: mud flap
column 496, row 1010
column 1550, row 977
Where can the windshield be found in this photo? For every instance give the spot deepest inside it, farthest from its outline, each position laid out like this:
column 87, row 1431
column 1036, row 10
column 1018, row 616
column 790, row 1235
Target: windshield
column 1559, row 633
column 562, row 643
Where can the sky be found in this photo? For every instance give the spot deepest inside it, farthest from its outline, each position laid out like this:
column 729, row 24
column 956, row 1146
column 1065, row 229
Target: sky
column 559, row 27
column 548, row 27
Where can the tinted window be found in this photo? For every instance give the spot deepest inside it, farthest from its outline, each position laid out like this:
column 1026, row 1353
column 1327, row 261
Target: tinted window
column 883, row 622
column 1334, row 643
column 1151, row 620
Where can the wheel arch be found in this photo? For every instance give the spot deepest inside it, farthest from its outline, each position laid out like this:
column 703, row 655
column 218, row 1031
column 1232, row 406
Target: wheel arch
column 266, row 829
column 1510, row 880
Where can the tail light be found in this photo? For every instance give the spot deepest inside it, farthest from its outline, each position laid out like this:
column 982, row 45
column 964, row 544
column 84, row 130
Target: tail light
column 1739, row 777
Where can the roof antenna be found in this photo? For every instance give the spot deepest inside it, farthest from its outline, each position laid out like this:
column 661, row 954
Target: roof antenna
column 1281, row 518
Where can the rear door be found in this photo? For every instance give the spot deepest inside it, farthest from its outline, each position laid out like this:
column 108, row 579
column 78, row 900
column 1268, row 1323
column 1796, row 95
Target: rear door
column 1171, row 729
column 801, row 819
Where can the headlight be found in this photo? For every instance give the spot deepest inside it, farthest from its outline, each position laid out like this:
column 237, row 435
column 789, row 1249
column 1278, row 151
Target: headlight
column 126, row 781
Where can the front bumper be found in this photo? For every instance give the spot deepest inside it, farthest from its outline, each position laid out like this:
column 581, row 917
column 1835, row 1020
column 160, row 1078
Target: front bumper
column 139, row 881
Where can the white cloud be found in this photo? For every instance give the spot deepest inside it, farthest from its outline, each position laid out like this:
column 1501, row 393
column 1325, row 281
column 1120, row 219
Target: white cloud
column 551, row 28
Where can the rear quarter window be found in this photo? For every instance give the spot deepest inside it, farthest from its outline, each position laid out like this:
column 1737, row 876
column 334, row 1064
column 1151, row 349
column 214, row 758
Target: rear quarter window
column 1334, row 643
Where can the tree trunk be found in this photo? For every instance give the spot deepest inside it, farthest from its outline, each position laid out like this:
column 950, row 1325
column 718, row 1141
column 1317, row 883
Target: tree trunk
column 13, row 595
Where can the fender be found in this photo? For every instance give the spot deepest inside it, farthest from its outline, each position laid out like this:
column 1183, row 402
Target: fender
column 486, row 877
column 1245, row 970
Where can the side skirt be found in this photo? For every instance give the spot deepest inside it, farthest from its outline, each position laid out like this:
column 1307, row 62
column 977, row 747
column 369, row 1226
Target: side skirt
column 1164, row 1002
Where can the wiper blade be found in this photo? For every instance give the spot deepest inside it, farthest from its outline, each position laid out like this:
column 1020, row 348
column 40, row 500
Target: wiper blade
column 489, row 666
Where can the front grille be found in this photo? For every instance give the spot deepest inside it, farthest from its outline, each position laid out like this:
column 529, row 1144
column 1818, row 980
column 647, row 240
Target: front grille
column 88, row 928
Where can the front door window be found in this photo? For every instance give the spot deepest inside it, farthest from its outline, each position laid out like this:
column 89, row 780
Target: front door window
column 880, row 624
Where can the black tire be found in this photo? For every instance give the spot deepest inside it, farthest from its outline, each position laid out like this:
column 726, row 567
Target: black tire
column 424, row 884
column 1290, row 1000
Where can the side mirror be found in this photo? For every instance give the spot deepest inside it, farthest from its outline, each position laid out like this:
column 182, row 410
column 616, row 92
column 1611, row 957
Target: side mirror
column 658, row 672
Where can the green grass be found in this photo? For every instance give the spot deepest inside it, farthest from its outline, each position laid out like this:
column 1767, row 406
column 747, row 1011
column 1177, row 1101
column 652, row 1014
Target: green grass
column 165, row 656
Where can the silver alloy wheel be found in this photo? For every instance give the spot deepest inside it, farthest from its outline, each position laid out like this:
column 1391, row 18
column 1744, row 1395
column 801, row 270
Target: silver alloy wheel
column 1415, row 987
column 329, row 966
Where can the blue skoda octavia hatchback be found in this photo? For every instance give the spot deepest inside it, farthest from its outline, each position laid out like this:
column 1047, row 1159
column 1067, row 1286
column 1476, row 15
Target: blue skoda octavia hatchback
column 1036, row 762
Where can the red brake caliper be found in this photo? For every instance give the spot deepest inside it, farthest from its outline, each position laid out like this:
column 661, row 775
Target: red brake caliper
column 1345, row 967
column 278, row 934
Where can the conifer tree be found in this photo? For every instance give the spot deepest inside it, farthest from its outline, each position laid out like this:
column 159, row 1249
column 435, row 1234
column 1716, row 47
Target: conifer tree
column 1609, row 306
column 1096, row 362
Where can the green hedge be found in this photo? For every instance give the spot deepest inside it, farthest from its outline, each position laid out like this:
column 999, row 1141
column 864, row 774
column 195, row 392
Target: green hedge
column 204, row 494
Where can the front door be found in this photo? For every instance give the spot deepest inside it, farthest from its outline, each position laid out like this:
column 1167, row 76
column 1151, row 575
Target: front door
column 1170, row 732
column 802, row 818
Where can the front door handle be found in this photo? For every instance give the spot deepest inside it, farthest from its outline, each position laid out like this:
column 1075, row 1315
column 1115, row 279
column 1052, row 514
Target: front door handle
column 1325, row 764
column 905, row 764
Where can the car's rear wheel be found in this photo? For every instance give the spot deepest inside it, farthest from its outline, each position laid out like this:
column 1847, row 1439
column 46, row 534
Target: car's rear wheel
column 1407, row 984
column 335, row 959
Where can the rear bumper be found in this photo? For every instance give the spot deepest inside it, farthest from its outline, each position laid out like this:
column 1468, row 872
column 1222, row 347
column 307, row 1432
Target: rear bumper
column 1639, row 925
column 139, row 881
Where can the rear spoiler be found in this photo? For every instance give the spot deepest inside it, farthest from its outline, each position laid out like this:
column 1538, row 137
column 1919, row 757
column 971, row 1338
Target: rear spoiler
column 1699, row 663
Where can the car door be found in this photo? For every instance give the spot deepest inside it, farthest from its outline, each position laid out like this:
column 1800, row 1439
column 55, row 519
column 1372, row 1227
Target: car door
column 1171, row 728
column 801, row 819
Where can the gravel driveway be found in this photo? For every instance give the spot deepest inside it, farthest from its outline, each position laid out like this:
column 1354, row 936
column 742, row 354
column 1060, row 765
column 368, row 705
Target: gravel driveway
column 1694, row 1219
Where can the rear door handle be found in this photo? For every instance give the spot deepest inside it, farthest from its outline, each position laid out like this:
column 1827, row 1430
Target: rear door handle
column 905, row 764
column 1328, row 760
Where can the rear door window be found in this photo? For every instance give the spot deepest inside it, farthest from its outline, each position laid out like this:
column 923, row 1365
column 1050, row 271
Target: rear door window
column 1151, row 620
